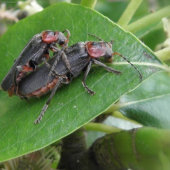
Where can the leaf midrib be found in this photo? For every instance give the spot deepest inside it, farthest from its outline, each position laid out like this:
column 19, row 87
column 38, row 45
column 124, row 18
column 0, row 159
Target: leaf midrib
column 143, row 100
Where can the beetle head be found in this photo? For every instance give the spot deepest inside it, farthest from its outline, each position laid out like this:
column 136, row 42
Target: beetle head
column 61, row 39
column 99, row 49
column 49, row 36
column 109, row 52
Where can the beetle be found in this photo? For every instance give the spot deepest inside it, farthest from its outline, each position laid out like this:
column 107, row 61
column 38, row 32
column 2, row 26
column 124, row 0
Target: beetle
column 33, row 54
column 81, row 56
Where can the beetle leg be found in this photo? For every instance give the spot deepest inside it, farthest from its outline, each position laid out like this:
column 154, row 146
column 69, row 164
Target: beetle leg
column 52, row 71
column 47, row 56
column 23, row 70
column 54, row 48
column 24, row 98
column 21, row 74
column 106, row 67
column 52, row 68
column 84, row 78
column 47, row 64
column 64, row 57
column 48, row 101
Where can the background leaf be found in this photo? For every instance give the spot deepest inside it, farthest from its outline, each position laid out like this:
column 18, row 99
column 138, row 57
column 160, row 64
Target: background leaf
column 149, row 103
column 71, row 107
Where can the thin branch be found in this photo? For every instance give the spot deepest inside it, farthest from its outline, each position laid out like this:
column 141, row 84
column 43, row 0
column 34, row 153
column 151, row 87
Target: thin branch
column 101, row 128
column 129, row 12
column 163, row 54
column 149, row 19
column 89, row 3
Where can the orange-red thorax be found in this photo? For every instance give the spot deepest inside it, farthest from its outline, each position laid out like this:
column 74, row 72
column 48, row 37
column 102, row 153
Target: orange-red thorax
column 50, row 36
column 96, row 49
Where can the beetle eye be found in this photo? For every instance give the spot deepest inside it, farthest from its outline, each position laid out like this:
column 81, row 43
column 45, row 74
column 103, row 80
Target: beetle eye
column 61, row 42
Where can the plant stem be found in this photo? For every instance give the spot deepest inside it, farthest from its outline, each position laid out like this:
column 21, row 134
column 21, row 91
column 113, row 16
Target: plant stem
column 101, row 128
column 89, row 3
column 163, row 54
column 149, row 19
column 129, row 12
column 119, row 115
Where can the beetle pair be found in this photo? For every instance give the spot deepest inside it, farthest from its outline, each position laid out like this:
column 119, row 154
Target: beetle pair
column 34, row 53
column 80, row 56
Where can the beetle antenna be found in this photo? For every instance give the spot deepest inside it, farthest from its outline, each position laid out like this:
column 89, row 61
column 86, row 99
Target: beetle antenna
column 112, row 41
column 95, row 36
column 116, row 53
column 68, row 33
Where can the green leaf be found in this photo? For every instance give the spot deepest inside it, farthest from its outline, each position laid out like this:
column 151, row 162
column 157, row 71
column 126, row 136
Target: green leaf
column 72, row 106
column 148, row 104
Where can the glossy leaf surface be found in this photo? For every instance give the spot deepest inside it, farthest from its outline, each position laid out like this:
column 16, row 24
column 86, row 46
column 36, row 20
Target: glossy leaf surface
column 149, row 103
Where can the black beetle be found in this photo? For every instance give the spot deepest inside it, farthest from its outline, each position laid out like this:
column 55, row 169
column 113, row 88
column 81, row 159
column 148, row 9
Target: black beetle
column 33, row 54
column 80, row 56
